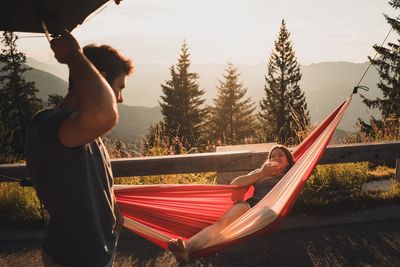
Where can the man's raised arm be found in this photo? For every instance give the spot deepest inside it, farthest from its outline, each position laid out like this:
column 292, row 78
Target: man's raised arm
column 90, row 97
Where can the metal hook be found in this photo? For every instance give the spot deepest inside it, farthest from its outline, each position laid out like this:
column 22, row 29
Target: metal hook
column 362, row 87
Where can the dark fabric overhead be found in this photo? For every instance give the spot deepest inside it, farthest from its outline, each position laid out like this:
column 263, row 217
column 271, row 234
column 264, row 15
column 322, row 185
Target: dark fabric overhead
column 25, row 15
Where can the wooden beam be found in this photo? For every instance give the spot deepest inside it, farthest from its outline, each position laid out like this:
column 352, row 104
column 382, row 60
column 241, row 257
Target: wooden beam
column 14, row 171
column 201, row 162
column 397, row 174
column 232, row 161
column 379, row 151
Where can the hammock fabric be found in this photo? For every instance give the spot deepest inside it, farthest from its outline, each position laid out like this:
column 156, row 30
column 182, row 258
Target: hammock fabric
column 161, row 212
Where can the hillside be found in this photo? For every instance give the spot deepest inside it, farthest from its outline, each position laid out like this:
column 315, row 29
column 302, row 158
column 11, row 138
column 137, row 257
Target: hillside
column 134, row 122
column 47, row 83
column 325, row 84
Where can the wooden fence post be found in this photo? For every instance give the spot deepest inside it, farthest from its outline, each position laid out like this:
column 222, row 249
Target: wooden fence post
column 397, row 175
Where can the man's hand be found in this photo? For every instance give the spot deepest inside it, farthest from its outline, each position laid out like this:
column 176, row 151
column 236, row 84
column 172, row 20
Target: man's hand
column 65, row 47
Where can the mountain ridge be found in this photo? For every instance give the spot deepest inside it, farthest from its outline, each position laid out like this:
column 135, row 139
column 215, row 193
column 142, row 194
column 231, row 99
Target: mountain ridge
column 325, row 84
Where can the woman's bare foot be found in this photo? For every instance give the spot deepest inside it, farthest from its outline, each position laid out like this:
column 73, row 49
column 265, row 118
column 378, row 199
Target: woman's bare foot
column 179, row 249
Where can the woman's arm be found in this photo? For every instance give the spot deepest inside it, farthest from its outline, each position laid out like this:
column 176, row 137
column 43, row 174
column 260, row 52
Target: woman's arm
column 248, row 179
column 267, row 169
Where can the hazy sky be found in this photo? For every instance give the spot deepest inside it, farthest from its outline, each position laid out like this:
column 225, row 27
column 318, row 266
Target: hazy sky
column 241, row 31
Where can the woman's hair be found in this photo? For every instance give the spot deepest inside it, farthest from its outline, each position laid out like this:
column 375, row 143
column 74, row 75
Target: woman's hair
column 288, row 155
column 108, row 61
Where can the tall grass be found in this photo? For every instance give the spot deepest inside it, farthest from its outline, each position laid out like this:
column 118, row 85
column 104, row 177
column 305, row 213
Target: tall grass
column 190, row 178
column 338, row 177
column 337, row 188
column 19, row 206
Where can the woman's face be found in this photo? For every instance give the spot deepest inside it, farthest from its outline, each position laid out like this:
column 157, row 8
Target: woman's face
column 279, row 156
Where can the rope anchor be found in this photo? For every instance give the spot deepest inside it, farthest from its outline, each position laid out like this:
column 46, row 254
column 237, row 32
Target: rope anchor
column 362, row 87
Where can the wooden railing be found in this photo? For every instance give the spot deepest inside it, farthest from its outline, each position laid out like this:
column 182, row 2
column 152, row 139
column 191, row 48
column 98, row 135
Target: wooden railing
column 228, row 161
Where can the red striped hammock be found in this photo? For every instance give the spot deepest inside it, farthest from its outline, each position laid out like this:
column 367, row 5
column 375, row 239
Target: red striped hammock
column 161, row 212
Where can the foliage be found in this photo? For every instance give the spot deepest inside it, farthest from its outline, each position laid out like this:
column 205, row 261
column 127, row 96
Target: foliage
column 386, row 129
column 119, row 149
column 6, row 150
column 54, row 100
column 189, row 178
column 182, row 102
column 157, row 142
column 337, row 188
column 18, row 100
column 338, row 177
column 388, row 66
column 284, row 111
column 19, row 206
column 230, row 119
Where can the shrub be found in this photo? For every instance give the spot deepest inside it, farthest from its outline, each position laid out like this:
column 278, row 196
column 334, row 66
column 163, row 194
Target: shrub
column 19, row 206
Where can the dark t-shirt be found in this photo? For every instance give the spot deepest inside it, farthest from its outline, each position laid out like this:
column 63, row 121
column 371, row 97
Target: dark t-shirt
column 261, row 188
column 75, row 186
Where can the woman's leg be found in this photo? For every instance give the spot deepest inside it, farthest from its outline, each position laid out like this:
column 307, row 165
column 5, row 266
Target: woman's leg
column 183, row 249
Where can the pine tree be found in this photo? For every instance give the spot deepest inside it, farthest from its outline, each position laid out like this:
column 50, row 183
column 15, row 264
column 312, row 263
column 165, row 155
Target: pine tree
column 231, row 120
column 182, row 102
column 53, row 100
column 284, row 114
column 18, row 100
column 7, row 154
column 388, row 66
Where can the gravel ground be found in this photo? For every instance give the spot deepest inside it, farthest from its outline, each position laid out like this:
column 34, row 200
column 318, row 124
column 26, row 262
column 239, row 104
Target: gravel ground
column 372, row 243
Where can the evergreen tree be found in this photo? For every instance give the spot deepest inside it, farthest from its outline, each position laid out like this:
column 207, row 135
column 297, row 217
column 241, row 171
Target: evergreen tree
column 53, row 100
column 388, row 66
column 182, row 102
column 284, row 114
column 231, row 120
column 7, row 154
column 18, row 100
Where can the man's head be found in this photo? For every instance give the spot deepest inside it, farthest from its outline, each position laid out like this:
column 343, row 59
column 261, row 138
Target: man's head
column 111, row 64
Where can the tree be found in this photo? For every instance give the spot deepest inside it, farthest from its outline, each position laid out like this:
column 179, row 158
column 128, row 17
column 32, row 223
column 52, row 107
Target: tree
column 284, row 114
column 388, row 66
column 53, row 100
column 18, row 100
column 231, row 120
column 182, row 102
column 6, row 151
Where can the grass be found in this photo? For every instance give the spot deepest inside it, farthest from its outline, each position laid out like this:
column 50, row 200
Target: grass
column 190, row 178
column 331, row 189
column 19, row 206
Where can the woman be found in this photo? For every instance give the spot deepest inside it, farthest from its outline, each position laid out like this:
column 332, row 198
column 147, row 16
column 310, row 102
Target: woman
column 279, row 161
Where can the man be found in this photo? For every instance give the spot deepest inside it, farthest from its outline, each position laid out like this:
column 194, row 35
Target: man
column 68, row 162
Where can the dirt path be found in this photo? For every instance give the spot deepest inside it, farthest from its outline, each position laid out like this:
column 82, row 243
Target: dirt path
column 358, row 244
